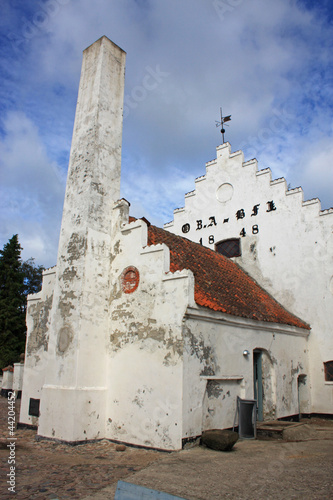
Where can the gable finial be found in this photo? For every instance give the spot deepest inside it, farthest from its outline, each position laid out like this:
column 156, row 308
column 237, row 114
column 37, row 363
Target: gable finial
column 222, row 122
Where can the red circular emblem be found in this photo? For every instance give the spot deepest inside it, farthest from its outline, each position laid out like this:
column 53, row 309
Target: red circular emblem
column 130, row 279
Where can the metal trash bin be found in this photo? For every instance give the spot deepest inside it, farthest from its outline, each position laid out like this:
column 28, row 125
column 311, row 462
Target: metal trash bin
column 247, row 418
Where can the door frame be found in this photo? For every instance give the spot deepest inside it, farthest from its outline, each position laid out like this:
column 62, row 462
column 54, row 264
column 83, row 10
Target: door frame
column 257, row 383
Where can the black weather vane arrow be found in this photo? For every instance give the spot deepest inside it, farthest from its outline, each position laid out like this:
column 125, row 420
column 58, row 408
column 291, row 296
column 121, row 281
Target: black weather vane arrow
column 222, row 122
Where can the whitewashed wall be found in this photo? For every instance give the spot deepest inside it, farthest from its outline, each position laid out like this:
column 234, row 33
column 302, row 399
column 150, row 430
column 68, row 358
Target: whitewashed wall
column 287, row 246
column 74, row 392
column 166, row 378
column 7, row 380
column 36, row 351
column 216, row 371
column 18, row 377
column 145, row 375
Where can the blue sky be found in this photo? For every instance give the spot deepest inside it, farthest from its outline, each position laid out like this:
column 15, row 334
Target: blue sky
column 267, row 62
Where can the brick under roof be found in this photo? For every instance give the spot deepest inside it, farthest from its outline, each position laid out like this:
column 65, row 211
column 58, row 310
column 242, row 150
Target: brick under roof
column 220, row 284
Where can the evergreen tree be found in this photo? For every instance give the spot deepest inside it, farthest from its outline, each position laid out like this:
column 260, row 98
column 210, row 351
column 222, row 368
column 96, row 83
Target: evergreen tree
column 12, row 303
column 33, row 276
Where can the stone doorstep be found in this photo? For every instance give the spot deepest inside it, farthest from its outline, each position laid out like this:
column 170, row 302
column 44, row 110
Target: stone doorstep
column 275, row 428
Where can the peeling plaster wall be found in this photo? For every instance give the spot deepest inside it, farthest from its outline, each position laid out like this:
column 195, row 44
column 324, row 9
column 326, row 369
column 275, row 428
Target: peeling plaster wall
column 216, row 371
column 75, row 379
column 74, row 393
column 7, row 380
column 219, row 400
column 270, row 386
column 36, row 352
column 18, row 377
column 145, row 350
column 287, row 247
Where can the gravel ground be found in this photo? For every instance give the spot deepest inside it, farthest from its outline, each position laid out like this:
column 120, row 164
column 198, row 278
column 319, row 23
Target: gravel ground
column 46, row 469
column 267, row 469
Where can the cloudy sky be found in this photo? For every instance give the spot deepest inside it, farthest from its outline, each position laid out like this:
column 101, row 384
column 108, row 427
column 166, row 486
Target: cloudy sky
column 268, row 63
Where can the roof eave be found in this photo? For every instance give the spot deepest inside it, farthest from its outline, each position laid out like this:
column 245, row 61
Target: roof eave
column 206, row 314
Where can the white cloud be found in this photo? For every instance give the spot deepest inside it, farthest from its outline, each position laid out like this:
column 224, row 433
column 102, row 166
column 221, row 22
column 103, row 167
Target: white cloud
column 32, row 191
column 317, row 166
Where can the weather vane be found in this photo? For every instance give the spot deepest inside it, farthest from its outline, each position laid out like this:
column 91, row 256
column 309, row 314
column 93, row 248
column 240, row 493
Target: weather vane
column 222, row 122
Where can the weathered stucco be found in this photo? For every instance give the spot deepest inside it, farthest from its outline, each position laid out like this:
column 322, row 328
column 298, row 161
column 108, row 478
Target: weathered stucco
column 18, row 378
column 36, row 354
column 215, row 371
column 38, row 313
column 146, row 344
column 74, row 381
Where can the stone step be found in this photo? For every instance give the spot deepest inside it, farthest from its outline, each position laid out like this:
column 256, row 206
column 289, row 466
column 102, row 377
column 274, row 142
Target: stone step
column 275, row 429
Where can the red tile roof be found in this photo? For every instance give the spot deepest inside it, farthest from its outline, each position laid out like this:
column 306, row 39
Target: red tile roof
column 220, row 284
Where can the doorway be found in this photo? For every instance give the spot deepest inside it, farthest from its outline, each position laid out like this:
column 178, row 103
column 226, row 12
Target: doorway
column 257, row 383
column 302, row 395
column 264, row 385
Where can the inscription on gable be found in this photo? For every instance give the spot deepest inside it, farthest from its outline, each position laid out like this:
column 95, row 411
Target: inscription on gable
column 240, row 215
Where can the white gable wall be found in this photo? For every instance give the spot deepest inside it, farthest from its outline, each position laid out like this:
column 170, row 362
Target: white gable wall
column 288, row 250
column 145, row 360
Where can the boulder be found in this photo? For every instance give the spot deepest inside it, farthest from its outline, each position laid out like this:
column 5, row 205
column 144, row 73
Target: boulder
column 219, row 439
column 120, row 447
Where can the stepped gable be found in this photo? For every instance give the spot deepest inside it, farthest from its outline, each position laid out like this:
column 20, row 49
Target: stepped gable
column 220, row 284
column 226, row 151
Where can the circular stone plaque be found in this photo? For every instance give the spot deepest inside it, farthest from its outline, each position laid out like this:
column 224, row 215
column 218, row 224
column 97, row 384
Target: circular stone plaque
column 225, row 192
column 130, row 279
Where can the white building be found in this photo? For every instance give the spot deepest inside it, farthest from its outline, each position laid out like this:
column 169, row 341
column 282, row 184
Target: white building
column 7, row 381
column 282, row 241
column 138, row 335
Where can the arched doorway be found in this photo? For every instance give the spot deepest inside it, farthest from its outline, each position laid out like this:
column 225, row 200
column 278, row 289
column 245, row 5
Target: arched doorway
column 303, row 395
column 264, row 385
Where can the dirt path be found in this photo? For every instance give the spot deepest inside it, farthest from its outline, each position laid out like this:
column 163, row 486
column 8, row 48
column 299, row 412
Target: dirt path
column 254, row 470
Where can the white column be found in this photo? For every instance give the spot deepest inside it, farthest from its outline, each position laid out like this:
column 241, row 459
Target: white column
column 73, row 396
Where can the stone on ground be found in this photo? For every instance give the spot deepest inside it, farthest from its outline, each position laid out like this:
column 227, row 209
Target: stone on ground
column 218, row 439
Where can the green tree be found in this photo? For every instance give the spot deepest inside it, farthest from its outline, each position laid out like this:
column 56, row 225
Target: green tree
column 17, row 280
column 33, row 276
column 12, row 310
